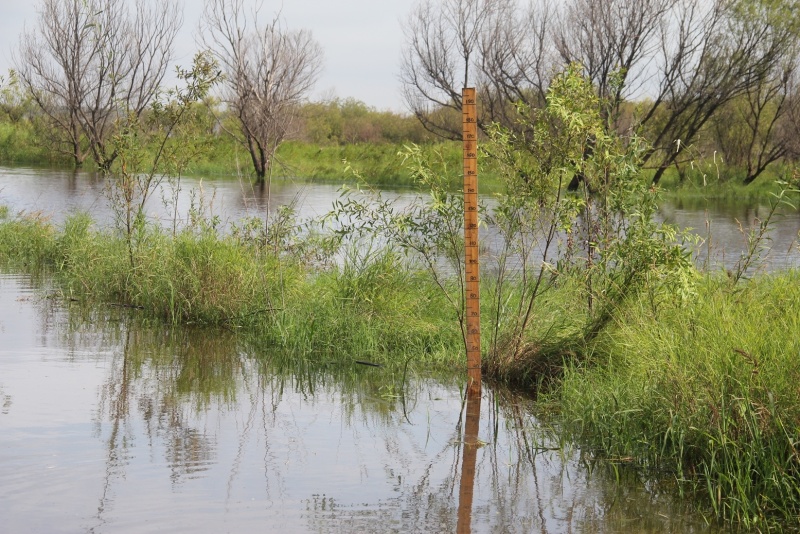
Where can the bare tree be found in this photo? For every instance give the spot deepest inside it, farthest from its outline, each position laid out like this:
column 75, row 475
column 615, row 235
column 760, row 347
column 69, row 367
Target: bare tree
column 269, row 71
column 755, row 129
column 614, row 40
column 789, row 127
column 517, row 61
column 715, row 54
column 688, row 58
column 443, row 56
column 87, row 62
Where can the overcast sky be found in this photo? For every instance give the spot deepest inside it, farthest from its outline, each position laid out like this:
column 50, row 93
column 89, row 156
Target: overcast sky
column 362, row 40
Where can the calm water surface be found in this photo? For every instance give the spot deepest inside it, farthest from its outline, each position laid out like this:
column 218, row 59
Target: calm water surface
column 108, row 424
column 721, row 225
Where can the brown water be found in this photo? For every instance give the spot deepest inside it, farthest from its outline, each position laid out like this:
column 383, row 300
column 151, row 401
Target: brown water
column 112, row 425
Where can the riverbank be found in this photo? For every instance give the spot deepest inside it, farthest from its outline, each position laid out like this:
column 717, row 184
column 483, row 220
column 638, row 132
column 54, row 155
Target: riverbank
column 702, row 388
column 383, row 165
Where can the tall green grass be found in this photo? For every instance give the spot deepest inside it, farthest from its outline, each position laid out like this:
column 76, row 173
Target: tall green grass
column 710, row 181
column 368, row 306
column 376, row 163
column 26, row 241
column 372, row 306
column 707, row 389
column 20, row 145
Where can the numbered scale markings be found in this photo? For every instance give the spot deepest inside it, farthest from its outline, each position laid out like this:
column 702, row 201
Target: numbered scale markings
column 473, row 307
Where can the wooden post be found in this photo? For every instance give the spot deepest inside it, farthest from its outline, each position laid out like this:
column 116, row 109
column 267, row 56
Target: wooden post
column 472, row 270
column 472, row 309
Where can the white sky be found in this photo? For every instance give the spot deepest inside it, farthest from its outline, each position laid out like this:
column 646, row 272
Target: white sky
column 362, row 40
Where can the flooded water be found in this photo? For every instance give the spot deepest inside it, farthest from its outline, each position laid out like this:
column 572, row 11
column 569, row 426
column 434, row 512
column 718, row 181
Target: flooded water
column 109, row 424
column 722, row 226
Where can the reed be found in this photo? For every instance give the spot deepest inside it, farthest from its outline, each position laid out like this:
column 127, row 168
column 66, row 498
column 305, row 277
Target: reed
column 705, row 388
column 369, row 304
column 26, row 240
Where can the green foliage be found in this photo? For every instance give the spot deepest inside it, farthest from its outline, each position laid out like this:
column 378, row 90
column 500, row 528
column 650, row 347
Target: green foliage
column 427, row 230
column 26, row 240
column 15, row 105
column 19, row 144
column 348, row 121
column 277, row 285
column 611, row 246
column 151, row 149
column 19, row 137
column 324, row 162
column 706, row 388
column 603, row 237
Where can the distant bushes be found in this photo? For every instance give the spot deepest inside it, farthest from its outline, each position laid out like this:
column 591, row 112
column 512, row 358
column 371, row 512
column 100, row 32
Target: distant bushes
column 350, row 121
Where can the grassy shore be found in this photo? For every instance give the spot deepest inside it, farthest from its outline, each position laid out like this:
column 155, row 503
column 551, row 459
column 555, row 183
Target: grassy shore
column 705, row 389
column 709, row 181
column 708, row 391
column 379, row 164
column 367, row 306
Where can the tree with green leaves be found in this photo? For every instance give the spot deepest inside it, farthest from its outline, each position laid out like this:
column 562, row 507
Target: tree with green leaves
column 601, row 240
column 150, row 149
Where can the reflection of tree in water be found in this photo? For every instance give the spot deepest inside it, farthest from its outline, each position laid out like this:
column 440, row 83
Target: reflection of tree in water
column 160, row 382
column 164, row 376
column 6, row 400
column 526, row 480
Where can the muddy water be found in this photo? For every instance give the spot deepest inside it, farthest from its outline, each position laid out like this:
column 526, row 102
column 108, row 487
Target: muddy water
column 109, row 424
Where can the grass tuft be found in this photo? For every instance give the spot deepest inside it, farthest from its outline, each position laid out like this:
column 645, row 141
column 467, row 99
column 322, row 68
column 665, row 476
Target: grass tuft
column 708, row 390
